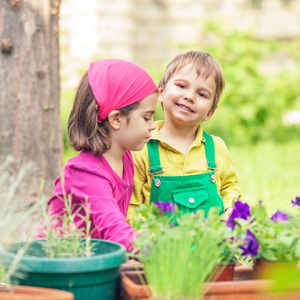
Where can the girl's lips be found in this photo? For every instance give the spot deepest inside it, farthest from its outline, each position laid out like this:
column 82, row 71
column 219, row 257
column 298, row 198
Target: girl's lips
column 184, row 108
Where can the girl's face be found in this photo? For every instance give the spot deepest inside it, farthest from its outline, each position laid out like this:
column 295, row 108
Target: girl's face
column 136, row 128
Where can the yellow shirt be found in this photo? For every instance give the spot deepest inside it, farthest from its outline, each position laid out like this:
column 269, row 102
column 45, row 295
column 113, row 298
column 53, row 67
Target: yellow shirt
column 176, row 164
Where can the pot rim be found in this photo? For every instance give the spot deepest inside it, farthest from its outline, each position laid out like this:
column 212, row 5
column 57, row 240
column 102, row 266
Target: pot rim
column 97, row 262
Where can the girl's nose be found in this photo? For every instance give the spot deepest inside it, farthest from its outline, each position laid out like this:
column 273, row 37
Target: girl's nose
column 152, row 126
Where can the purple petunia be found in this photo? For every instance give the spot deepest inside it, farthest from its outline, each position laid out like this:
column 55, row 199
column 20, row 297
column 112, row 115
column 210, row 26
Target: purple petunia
column 241, row 210
column 251, row 245
column 165, row 207
column 296, row 202
column 279, row 216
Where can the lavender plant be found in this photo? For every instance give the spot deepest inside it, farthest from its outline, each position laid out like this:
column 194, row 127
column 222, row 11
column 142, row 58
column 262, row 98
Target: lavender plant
column 63, row 236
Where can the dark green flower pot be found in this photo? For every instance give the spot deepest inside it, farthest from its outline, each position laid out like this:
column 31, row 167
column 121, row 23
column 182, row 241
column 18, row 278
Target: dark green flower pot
column 89, row 278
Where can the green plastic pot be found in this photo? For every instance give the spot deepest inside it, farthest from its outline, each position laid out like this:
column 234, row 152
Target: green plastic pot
column 88, row 278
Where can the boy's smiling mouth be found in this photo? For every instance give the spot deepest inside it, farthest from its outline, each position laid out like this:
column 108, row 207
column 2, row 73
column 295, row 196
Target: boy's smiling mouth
column 184, row 107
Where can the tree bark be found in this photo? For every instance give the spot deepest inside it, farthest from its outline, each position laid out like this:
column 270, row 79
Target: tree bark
column 29, row 86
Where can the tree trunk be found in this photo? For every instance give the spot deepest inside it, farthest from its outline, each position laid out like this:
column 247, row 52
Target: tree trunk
column 29, row 86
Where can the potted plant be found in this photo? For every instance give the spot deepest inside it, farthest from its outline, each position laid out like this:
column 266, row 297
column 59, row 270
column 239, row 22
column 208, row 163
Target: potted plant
column 272, row 241
column 68, row 259
column 180, row 251
column 14, row 213
column 168, row 277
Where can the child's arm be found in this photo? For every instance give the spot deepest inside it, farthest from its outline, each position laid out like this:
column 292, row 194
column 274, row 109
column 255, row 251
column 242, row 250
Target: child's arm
column 230, row 187
column 106, row 216
column 141, row 187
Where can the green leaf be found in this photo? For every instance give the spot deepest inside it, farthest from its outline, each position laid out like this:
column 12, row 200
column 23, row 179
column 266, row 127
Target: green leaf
column 288, row 257
column 285, row 241
column 297, row 251
column 269, row 254
column 295, row 221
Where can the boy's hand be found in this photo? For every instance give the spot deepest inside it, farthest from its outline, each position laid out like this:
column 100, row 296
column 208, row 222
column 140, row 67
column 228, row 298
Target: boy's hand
column 227, row 214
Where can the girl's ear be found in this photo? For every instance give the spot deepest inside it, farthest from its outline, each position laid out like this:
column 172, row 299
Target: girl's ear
column 160, row 94
column 115, row 119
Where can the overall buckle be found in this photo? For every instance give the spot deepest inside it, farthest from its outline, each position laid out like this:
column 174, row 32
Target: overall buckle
column 155, row 170
column 211, row 166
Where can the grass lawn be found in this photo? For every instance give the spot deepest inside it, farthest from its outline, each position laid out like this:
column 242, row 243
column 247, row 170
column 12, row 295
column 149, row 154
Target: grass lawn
column 269, row 172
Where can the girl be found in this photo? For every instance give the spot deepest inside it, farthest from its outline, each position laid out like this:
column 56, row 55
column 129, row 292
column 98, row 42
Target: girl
column 111, row 116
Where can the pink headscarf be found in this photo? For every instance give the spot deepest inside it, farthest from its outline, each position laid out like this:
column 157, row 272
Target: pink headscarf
column 118, row 83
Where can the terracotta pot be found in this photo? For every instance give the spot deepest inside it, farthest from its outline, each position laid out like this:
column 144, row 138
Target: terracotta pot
column 131, row 265
column 230, row 290
column 224, row 273
column 242, row 272
column 265, row 269
column 35, row 293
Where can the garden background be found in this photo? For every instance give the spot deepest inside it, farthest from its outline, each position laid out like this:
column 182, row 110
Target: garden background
column 256, row 42
column 46, row 47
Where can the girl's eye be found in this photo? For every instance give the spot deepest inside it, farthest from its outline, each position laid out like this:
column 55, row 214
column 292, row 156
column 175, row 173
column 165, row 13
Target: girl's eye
column 182, row 86
column 147, row 119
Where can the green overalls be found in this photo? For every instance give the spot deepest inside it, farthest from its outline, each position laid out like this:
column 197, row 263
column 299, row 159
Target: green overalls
column 190, row 192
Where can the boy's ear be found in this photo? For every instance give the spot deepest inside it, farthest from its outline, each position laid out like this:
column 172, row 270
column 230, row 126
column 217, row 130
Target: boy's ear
column 160, row 94
column 209, row 115
column 115, row 119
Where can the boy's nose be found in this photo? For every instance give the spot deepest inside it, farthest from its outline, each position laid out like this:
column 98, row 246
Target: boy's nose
column 189, row 97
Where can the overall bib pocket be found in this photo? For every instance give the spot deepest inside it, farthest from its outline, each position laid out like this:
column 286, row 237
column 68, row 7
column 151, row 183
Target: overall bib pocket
column 190, row 198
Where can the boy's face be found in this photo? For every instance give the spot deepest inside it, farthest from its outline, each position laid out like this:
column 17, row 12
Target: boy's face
column 187, row 98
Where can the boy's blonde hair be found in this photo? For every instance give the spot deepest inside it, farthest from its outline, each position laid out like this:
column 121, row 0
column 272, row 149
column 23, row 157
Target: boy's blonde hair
column 204, row 65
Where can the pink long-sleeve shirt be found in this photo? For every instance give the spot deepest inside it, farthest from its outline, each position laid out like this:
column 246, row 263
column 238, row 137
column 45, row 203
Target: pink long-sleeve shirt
column 109, row 195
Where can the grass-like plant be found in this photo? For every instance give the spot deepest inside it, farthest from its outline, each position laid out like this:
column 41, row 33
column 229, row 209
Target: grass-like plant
column 63, row 236
column 180, row 252
column 14, row 209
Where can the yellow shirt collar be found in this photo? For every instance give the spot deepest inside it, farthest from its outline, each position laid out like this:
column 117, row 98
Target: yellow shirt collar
column 155, row 135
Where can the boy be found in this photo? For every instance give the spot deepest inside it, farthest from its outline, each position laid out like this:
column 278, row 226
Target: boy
column 181, row 163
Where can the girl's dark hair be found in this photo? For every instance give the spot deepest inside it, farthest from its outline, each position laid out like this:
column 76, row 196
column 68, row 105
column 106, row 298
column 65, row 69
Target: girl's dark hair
column 83, row 129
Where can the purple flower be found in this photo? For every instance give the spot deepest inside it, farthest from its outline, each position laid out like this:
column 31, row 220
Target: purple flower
column 241, row 210
column 251, row 245
column 280, row 216
column 165, row 207
column 296, row 202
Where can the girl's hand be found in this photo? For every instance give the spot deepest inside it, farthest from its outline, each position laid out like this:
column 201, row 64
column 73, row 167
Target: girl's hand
column 227, row 213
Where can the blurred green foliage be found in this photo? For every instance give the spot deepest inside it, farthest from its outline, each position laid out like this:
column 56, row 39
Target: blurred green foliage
column 256, row 97
column 268, row 172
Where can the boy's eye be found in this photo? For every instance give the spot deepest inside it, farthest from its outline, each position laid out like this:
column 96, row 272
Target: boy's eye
column 182, row 86
column 202, row 95
column 147, row 119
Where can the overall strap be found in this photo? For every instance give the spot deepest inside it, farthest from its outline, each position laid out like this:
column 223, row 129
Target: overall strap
column 153, row 154
column 210, row 152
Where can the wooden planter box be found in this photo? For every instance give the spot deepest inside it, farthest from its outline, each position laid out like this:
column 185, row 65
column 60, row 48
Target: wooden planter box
column 242, row 288
column 34, row 293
